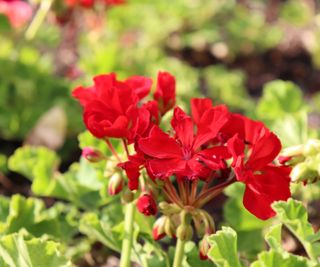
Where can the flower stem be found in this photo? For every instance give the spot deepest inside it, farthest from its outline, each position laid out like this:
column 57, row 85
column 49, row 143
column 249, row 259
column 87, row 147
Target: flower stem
column 38, row 19
column 113, row 151
column 178, row 256
column 128, row 235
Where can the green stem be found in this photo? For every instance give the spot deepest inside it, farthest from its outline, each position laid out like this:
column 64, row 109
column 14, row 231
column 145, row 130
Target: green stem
column 38, row 19
column 128, row 235
column 178, row 256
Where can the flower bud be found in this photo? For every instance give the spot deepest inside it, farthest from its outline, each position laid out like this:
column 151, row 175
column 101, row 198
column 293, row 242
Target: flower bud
column 303, row 172
column 127, row 196
column 184, row 232
column 147, row 205
column 158, row 228
column 312, row 147
column 116, row 184
column 92, row 154
column 284, row 159
column 169, row 228
column 169, row 209
column 204, row 247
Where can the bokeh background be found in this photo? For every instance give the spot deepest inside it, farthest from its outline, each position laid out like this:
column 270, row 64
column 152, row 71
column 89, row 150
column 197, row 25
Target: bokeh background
column 259, row 57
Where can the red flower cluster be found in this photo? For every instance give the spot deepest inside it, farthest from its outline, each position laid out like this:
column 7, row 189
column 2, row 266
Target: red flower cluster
column 18, row 12
column 199, row 148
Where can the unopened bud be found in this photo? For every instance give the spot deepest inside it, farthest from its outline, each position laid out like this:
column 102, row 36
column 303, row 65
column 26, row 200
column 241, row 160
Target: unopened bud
column 116, row 184
column 293, row 151
column 303, row 172
column 169, row 209
column 92, row 154
column 127, row 196
column 312, row 147
column 204, row 247
column 158, row 228
column 147, row 205
column 169, row 228
column 284, row 159
column 184, row 232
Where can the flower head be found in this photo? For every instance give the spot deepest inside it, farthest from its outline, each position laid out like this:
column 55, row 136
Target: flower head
column 265, row 182
column 110, row 105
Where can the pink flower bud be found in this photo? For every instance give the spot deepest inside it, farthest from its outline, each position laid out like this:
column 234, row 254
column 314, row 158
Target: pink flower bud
column 204, row 248
column 116, row 184
column 93, row 155
column 147, row 205
column 284, row 159
column 158, row 228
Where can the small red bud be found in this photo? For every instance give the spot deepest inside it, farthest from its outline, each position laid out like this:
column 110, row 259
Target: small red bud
column 116, row 184
column 284, row 159
column 204, row 248
column 93, row 155
column 158, row 228
column 147, row 205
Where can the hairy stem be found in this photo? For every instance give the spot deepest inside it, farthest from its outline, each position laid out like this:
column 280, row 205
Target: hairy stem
column 38, row 19
column 178, row 256
column 113, row 151
column 128, row 235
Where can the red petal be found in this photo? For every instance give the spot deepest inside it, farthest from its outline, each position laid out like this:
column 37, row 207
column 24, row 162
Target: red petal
column 84, row 95
column 165, row 93
column 163, row 168
column 263, row 189
column 210, row 124
column 140, row 85
column 198, row 107
column 264, row 151
column 183, row 127
column 160, row 145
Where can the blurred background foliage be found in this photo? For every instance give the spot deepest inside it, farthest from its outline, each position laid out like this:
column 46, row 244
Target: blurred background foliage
column 259, row 57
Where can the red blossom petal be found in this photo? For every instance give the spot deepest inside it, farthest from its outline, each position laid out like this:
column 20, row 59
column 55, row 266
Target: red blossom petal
column 263, row 189
column 183, row 127
column 84, row 95
column 160, row 145
column 236, row 147
column 140, row 85
column 198, row 108
column 165, row 93
column 264, row 151
column 162, row 168
column 210, row 124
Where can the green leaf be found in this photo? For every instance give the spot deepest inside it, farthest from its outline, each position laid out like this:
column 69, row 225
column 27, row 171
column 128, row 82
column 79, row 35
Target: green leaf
column 248, row 227
column 17, row 251
column 236, row 215
column 277, row 259
column 292, row 129
column 58, row 221
column 25, row 159
column 295, row 217
column 273, row 237
column 100, row 230
column 279, row 98
column 223, row 251
column 83, row 184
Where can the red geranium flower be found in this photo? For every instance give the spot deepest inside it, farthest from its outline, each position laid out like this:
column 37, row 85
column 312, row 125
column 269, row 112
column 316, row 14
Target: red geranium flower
column 182, row 154
column 110, row 105
column 265, row 182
